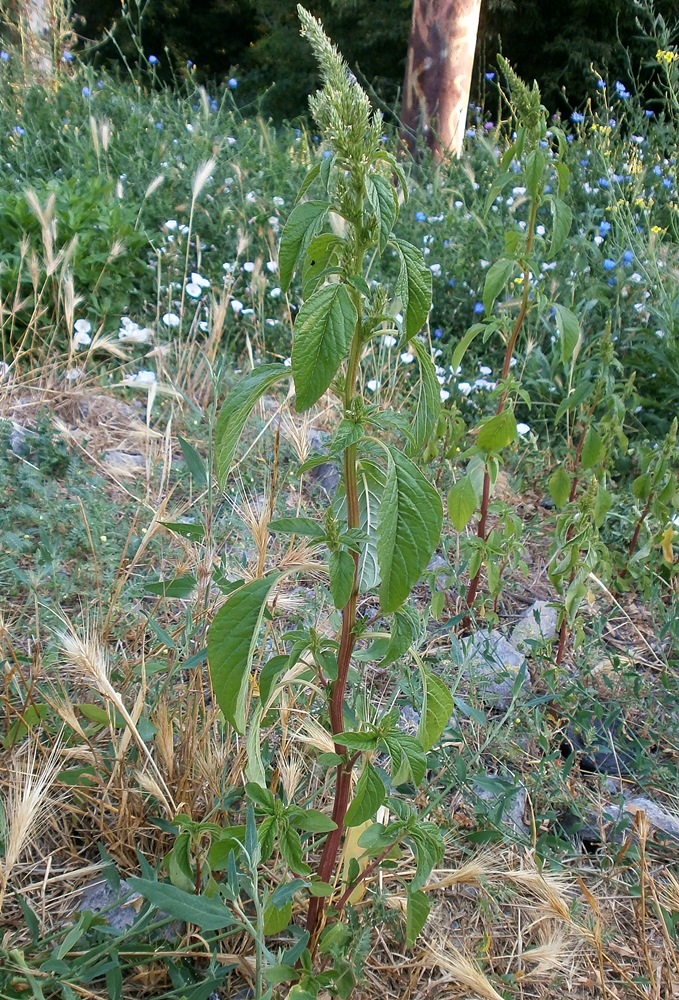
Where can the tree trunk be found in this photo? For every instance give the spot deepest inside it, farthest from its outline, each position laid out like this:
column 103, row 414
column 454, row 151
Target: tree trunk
column 438, row 73
column 37, row 30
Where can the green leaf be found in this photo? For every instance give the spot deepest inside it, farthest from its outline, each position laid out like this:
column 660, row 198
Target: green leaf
column 383, row 200
column 569, row 331
column 181, row 587
column 370, row 481
column 534, row 172
column 307, row 182
column 641, row 487
column 208, row 914
column 323, row 331
column 297, row 526
column 497, row 277
column 237, row 408
column 342, row 572
column 270, row 671
column 196, row 532
column 413, row 287
column 559, row 486
column 582, row 392
column 276, row 919
column 369, row 796
column 318, row 261
column 462, row 503
column 592, row 449
column 194, row 462
column 348, row 432
column 428, row 406
column 496, row 433
column 408, row 760
column 261, row 797
column 401, row 637
column 231, row 646
column 290, row 847
column 313, row 821
column 417, row 912
column 437, row 709
column 304, row 222
column 562, row 218
column 408, row 529
column 463, row 344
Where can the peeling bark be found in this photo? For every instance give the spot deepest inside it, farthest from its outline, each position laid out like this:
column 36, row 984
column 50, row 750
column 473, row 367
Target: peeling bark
column 438, row 73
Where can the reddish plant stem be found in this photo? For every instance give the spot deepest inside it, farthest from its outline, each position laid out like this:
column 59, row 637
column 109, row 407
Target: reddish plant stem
column 485, row 498
column 635, row 537
column 331, row 848
column 365, row 874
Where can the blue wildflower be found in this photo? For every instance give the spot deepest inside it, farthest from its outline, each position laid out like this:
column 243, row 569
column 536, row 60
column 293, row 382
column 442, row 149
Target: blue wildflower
column 621, row 90
column 20, row 130
column 232, row 83
column 471, row 132
column 153, row 60
column 189, row 64
column 628, row 257
column 490, row 77
column 86, row 92
column 438, row 333
column 420, row 217
column 327, row 154
column 100, row 84
column 4, row 56
column 657, row 170
column 67, row 57
column 160, row 126
column 667, row 183
column 609, row 265
column 577, row 117
column 604, row 182
column 478, row 308
column 648, row 113
column 601, row 84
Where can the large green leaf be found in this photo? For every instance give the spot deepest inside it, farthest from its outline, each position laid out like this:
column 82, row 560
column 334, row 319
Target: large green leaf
column 237, row 408
column 496, row 279
column 321, row 259
column 496, row 433
column 304, row 222
column 231, row 645
column 210, row 914
column 384, row 203
column 342, row 571
column 413, row 287
column 569, row 331
column 437, row 709
column 562, row 217
column 323, row 332
column 369, row 796
column 428, row 405
column 417, row 912
column 462, row 502
column 370, row 481
column 408, row 529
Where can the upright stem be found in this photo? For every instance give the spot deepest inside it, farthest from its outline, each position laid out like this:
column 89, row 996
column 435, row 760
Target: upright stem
column 511, row 344
column 331, row 848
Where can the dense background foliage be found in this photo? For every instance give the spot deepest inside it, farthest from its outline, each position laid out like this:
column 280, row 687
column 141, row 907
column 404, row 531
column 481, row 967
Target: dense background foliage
column 258, row 41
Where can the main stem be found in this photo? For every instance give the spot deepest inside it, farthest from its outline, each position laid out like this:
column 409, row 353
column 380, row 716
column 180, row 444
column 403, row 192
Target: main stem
column 485, row 498
column 326, row 866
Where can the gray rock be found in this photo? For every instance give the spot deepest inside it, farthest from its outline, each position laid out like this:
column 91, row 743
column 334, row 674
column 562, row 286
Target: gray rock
column 493, row 666
column 100, row 896
column 537, row 624
column 17, row 439
column 511, row 799
column 658, row 817
column 124, row 463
